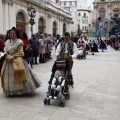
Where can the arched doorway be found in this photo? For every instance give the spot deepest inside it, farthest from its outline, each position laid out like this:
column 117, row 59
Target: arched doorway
column 41, row 25
column 20, row 22
column 54, row 28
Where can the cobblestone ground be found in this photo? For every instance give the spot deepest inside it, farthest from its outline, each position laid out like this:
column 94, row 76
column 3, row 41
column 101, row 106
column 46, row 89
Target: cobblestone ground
column 95, row 95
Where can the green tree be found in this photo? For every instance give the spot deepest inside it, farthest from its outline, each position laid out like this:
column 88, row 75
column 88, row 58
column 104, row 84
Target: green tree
column 79, row 31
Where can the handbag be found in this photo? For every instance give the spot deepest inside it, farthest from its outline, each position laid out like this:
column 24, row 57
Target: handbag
column 18, row 68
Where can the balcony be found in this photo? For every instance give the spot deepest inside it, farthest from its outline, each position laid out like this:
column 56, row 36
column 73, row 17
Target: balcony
column 40, row 2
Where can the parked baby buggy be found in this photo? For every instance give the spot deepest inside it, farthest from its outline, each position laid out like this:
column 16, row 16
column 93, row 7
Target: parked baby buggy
column 116, row 45
column 81, row 50
column 59, row 82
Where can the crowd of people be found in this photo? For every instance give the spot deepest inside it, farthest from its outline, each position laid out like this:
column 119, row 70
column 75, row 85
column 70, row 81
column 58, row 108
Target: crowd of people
column 115, row 42
column 16, row 75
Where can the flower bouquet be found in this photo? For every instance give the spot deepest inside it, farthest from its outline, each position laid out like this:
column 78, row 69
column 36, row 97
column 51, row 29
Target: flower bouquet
column 2, row 56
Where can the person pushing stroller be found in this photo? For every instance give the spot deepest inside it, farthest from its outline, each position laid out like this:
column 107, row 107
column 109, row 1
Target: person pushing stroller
column 67, row 49
column 59, row 85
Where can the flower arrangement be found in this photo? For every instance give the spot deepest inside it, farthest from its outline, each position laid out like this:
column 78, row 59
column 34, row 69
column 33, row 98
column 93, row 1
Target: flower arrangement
column 31, row 22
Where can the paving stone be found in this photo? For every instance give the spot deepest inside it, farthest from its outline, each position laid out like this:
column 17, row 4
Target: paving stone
column 95, row 95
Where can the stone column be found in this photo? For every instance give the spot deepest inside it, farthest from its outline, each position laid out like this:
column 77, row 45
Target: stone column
column 48, row 23
column 61, row 26
column 8, row 15
column 1, row 20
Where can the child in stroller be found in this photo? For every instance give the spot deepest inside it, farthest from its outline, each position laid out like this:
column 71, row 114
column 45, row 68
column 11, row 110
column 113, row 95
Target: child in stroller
column 58, row 85
column 59, row 82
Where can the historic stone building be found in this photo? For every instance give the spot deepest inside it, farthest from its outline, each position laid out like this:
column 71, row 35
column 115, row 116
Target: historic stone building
column 81, row 15
column 103, row 9
column 71, row 6
column 49, row 16
column 85, row 16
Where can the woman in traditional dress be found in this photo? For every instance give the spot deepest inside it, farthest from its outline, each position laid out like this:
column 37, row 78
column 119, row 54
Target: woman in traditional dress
column 102, row 45
column 16, row 76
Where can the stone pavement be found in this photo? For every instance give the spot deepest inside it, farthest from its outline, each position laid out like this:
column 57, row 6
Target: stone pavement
column 95, row 95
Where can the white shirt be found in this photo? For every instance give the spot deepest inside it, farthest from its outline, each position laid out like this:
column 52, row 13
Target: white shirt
column 59, row 80
column 75, row 50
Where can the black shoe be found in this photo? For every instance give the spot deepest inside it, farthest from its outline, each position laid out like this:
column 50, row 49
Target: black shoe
column 36, row 63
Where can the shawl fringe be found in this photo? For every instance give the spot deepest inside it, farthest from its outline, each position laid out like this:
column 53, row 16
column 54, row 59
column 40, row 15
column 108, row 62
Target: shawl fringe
column 18, row 68
column 20, row 76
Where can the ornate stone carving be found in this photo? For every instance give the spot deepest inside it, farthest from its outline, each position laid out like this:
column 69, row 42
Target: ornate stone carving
column 11, row 2
column 95, row 5
column 109, row 4
column 49, row 14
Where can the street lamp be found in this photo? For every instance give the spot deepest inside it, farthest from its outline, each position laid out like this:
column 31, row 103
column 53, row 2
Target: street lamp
column 79, row 32
column 64, row 25
column 87, row 32
column 109, row 5
column 32, row 14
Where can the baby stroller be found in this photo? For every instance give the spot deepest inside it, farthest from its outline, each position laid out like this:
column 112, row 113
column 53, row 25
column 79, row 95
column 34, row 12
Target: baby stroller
column 60, row 64
column 116, row 45
column 81, row 52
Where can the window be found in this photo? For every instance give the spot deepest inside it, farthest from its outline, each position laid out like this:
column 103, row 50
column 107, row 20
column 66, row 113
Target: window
column 79, row 14
column 67, row 8
column 67, row 3
column 102, row 14
column 62, row 4
column 83, row 21
column 20, row 17
column 72, row 22
column 82, row 28
column 84, row 15
column 41, row 21
column 73, row 3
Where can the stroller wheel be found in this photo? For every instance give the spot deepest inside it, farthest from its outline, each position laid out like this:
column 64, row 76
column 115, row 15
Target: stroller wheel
column 45, row 101
column 48, row 101
column 62, row 104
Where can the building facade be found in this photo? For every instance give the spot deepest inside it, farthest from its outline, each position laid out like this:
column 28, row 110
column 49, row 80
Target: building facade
column 85, row 16
column 81, row 15
column 71, row 6
column 49, row 16
column 104, row 9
